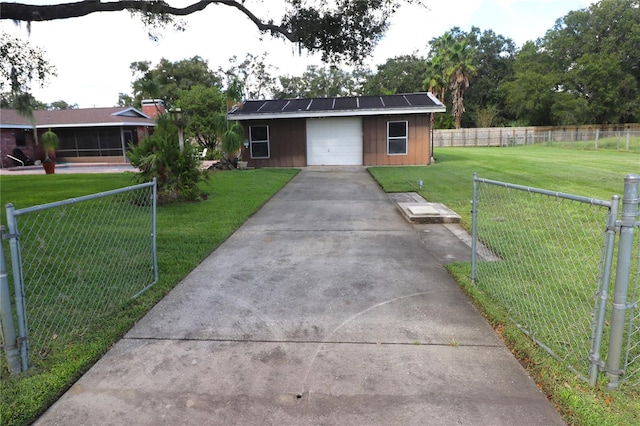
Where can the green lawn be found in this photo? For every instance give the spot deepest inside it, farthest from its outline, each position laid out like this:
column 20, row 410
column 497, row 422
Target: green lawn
column 593, row 174
column 597, row 174
column 186, row 234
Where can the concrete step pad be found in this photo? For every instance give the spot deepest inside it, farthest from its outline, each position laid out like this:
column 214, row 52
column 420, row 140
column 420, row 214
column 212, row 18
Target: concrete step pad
column 418, row 210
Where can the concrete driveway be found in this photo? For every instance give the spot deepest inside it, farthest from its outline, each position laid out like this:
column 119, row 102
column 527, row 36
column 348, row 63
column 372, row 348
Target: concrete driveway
column 326, row 307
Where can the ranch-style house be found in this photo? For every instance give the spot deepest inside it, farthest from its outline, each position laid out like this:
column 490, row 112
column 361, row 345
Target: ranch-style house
column 86, row 135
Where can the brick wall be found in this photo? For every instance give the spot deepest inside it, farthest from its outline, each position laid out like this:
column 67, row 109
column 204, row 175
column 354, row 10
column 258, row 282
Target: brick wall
column 8, row 144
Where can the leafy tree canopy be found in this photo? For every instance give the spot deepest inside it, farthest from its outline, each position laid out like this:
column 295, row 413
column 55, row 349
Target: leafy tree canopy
column 494, row 57
column 167, row 79
column 205, row 111
column 21, row 65
column 597, row 50
column 248, row 79
column 252, row 77
column 338, row 30
column 60, row 104
column 318, row 82
column 530, row 94
column 10, row 100
column 402, row 74
column 585, row 70
column 488, row 61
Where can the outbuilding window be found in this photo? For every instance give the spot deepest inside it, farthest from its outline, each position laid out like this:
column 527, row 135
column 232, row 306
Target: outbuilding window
column 397, row 137
column 259, row 139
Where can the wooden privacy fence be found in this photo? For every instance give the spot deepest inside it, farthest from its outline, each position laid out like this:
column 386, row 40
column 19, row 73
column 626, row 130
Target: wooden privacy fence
column 513, row 136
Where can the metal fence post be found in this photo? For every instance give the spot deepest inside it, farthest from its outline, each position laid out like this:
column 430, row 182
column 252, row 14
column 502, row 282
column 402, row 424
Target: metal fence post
column 6, row 316
column 601, row 307
column 474, row 227
column 623, row 275
column 18, row 285
column 154, row 231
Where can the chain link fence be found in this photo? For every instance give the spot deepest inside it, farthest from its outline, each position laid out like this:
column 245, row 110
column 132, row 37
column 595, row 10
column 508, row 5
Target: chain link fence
column 555, row 254
column 75, row 263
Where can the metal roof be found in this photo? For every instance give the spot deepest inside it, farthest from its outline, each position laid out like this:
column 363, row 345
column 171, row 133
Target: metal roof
column 410, row 103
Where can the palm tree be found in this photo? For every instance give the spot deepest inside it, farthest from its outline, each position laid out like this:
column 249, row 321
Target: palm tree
column 461, row 69
column 436, row 78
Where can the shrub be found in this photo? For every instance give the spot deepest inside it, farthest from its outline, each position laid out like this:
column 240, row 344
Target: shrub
column 177, row 173
column 232, row 139
column 50, row 143
column 216, row 154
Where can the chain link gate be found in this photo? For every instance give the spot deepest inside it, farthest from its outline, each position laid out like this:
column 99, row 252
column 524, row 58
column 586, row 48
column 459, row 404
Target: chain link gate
column 632, row 358
column 555, row 256
column 74, row 264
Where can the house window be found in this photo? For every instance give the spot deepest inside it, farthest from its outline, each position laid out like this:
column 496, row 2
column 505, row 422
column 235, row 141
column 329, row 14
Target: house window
column 259, row 139
column 397, row 132
column 21, row 138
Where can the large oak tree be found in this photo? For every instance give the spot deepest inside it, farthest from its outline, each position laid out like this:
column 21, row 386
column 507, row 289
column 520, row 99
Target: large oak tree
column 585, row 70
column 402, row 74
column 338, row 29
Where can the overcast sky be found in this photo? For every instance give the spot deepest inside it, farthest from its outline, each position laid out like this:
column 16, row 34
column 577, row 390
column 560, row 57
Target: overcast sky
column 92, row 54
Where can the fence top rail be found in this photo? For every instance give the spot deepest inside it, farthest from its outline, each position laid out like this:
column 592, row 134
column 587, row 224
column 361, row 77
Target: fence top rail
column 79, row 199
column 587, row 200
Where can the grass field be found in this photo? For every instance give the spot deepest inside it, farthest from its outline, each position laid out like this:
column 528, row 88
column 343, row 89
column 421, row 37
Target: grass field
column 186, row 234
column 594, row 174
column 598, row 174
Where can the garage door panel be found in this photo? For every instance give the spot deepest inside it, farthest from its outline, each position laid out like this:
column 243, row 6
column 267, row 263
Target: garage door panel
column 334, row 141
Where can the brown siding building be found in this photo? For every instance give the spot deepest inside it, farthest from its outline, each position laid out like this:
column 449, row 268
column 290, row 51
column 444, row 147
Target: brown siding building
column 366, row 130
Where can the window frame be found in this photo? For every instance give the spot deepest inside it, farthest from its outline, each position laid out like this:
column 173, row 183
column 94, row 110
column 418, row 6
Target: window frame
column 404, row 138
column 266, row 141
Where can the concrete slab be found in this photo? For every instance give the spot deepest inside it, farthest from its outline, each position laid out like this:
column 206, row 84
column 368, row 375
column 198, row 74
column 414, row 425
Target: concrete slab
column 318, row 286
column 326, row 307
column 174, row 382
column 418, row 210
column 423, row 209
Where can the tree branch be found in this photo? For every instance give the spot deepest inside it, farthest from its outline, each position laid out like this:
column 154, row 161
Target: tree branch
column 37, row 13
column 348, row 30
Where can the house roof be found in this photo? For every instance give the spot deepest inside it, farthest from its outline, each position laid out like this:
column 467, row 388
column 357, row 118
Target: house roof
column 410, row 103
column 85, row 117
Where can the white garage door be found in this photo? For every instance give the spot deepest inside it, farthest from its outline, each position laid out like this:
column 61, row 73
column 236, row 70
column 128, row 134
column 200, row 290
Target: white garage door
column 334, row 141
